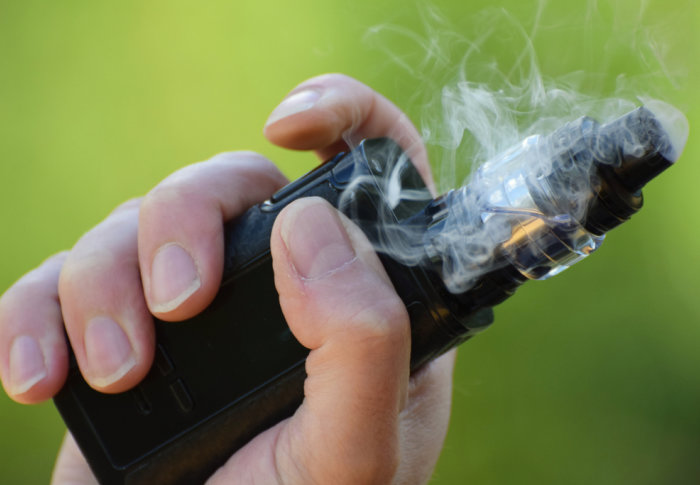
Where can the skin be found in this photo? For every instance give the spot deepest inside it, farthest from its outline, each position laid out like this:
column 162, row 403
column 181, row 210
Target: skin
column 364, row 419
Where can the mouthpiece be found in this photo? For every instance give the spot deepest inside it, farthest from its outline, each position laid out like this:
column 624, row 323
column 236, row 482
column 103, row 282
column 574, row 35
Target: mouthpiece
column 645, row 142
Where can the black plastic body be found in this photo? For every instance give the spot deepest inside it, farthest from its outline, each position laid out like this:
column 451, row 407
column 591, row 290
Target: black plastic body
column 224, row 376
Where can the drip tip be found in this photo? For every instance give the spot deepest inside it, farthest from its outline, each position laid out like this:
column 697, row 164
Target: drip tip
column 674, row 124
column 645, row 142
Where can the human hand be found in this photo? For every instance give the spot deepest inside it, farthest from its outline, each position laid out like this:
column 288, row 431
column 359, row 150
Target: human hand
column 363, row 419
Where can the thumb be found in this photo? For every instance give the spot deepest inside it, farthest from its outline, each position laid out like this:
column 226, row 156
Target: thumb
column 340, row 304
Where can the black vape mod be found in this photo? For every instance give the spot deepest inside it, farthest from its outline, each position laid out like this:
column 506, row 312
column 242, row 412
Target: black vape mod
column 528, row 214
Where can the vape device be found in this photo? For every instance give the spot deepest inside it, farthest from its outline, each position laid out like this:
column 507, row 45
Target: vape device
column 233, row 371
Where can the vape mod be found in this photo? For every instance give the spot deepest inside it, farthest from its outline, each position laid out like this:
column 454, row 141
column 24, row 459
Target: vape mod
column 234, row 370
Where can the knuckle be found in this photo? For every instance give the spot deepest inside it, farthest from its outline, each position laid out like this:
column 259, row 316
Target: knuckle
column 39, row 281
column 77, row 272
column 249, row 163
column 167, row 200
column 100, row 253
column 56, row 259
column 31, row 283
column 334, row 78
column 190, row 183
column 131, row 204
column 177, row 186
column 239, row 157
column 6, row 306
column 383, row 319
column 38, row 284
column 91, row 266
column 172, row 189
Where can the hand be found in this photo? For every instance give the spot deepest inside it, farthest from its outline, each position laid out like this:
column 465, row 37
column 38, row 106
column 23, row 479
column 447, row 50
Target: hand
column 363, row 420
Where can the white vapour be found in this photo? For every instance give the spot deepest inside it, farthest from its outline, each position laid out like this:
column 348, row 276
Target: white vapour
column 486, row 126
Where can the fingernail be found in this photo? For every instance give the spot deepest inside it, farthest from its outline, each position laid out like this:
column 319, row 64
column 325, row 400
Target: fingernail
column 108, row 350
column 316, row 239
column 294, row 103
column 27, row 366
column 174, row 278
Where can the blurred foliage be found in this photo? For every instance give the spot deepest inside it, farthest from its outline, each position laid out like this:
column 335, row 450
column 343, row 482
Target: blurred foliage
column 592, row 377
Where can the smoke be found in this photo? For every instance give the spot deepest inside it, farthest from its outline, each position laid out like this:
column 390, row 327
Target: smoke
column 498, row 128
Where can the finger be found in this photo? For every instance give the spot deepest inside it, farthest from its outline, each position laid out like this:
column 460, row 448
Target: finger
column 423, row 422
column 339, row 303
column 33, row 349
column 181, row 229
column 105, row 314
column 71, row 467
column 332, row 112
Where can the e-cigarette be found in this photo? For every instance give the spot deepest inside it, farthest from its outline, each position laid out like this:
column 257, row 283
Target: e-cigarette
column 233, row 371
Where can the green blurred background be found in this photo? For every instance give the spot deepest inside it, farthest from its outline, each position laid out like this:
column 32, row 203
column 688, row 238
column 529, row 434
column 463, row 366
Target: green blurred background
column 593, row 377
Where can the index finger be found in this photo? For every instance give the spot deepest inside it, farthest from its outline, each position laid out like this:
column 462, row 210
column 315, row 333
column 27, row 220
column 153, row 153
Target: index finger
column 334, row 112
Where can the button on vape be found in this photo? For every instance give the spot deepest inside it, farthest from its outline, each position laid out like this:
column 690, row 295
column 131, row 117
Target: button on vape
column 344, row 172
column 142, row 403
column 182, row 396
column 163, row 362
